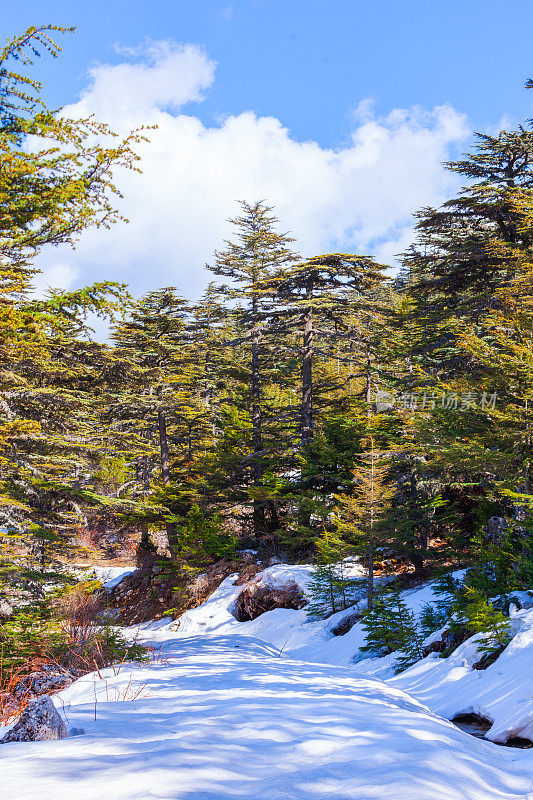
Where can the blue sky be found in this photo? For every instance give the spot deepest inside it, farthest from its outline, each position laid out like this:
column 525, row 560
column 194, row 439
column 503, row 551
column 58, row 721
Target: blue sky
column 354, row 103
column 309, row 62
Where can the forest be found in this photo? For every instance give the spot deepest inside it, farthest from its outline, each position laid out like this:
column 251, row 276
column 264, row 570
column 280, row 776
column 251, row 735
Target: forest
column 307, row 409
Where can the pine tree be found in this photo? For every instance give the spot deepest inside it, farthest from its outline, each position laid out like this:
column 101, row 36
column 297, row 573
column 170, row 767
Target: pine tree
column 62, row 185
column 454, row 263
column 361, row 513
column 480, row 616
column 49, row 193
column 155, row 402
column 325, row 297
column 391, row 627
column 249, row 262
column 330, row 585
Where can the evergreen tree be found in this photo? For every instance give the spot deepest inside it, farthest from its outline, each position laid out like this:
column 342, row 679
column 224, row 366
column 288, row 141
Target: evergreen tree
column 391, row 627
column 324, row 297
column 249, row 262
column 49, row 194
column 155, row 405
column 330, row 586
column 480, row 616
column 360, row 514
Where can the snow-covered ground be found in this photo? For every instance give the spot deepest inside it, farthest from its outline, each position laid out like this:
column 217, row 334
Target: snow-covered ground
column 503, row 693
column 278, row 709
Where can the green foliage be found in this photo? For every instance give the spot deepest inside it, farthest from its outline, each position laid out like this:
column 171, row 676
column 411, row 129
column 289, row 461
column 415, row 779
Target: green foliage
column 89, row 587
column 27, row 635
column 37, row 635
column 50, row 370
column 506, row 565
column 330, row 587
column 202, row 538
column 112, row 472
column 431, row 619
column 360, row 514
column 480, row 616
column 470, row 610
column 253, row 408
column 391, row 627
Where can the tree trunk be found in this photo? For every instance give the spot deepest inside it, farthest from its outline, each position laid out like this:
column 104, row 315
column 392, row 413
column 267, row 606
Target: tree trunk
column 368, row 381
column 370, row 580
column 257, row 436
column 163, row 446
column 274, row 522
column 370, row 586
column 144, row 469
column 307, row 377
column 165, row 465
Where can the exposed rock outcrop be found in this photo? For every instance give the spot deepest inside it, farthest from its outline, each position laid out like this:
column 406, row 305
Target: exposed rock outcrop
column 449, row 641
column 158, row 589
column 345, row 624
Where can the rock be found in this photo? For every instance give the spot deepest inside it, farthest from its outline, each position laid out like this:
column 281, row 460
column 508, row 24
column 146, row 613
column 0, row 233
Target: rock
column 44, row 681
column 76, row 731
column 345, row 624
column 449, row 640
column 436, row 646
column 39, row 722
column 6, row 610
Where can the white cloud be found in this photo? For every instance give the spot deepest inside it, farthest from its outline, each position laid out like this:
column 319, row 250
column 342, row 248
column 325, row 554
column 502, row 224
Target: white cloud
column 357, row 198
column 168, row 76
column 58, row 275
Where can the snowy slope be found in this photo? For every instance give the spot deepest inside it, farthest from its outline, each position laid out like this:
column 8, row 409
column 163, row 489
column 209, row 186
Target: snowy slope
column 292, row 630
column 281, row 709
column 503, row 693
column 109, row 576
column 226, row 717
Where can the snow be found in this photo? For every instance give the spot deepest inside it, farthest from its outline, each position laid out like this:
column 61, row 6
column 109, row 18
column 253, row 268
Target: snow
column 109, row 576
column 224, row 717
column 290, row 629
column 503, row 693
column 279, row 708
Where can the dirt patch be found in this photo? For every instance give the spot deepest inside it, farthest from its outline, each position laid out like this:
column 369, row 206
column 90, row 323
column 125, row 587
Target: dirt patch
column 256, row 599
column 161, row 588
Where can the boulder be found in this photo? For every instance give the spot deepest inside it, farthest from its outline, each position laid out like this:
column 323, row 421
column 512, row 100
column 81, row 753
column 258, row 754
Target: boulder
column 6, row 610
column 40, row 721
column 449, row 641
column 47, row 680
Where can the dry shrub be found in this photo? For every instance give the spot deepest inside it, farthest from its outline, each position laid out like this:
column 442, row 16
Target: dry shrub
column 80, row 612
column 12, row 700
column 74, row 644
column 21, row 683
